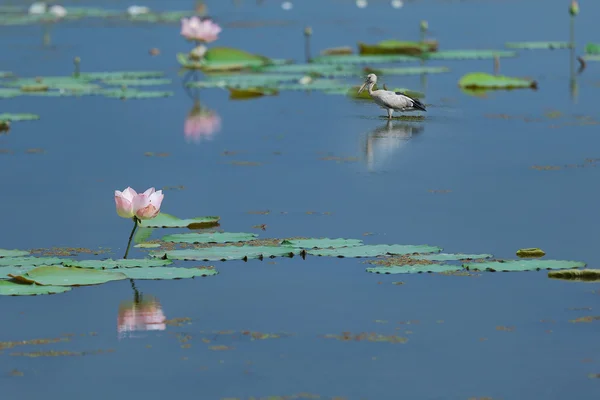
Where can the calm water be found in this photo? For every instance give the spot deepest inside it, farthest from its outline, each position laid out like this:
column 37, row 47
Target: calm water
column 496, row 203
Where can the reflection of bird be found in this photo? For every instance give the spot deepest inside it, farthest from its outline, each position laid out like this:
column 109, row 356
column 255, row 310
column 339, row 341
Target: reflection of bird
column 387, row 139
column 391, row 101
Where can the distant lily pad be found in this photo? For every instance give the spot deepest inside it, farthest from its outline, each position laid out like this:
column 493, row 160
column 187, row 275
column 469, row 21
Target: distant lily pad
column 592, row 48
column 324, row 243
column 538, row 45
column 120, row 75
column 531, row 252
column 407, row 70
column 215, row 237
column 168, row 272
column 312, row 69
column 482, row 80
column 468, row 54
column 588, row 275
column 228, row 253
column 170, row 221
column 5, row 271
column 137, row 82
column 251, row 93
column 17, row 261
column 12, row 288
column 414, row 269
column 451, row 257
column 122, row 263
column 133, row 94
column 375, row 250
column 68, row 276
column 523, row 265
column 15, row 118
column 398, row 47
column 12, row 253
column 230, row 59
column 358, row 59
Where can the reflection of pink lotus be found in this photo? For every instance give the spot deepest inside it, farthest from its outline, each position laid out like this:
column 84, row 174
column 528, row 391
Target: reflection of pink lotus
column 200, row 30
column 201, row 124
column 146, row 315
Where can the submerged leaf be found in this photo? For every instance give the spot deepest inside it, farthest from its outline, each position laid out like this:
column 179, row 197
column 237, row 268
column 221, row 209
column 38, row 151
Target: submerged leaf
column 375, row 250
column 168, row 272
column 228, row 253
column 68, row 276
column 523, row 265
column 215, row 237
column 12, row 288
column 323, row 243
column 414, row 269
column 163, row 220
column 482, row 80
column 123, row 263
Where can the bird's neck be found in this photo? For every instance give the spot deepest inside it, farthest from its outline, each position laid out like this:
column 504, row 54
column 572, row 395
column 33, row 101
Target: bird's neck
column 370, row 88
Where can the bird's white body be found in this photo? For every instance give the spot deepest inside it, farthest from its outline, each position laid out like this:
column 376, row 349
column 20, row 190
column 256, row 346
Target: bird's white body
column 391, row 101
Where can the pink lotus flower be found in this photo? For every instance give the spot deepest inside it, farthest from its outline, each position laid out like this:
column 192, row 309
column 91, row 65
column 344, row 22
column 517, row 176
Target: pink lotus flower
column 200, row 30
column 146, row 315
column 143, row 206
column 201, row 124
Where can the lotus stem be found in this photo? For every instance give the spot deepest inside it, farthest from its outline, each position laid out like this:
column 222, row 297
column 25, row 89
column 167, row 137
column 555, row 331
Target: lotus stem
column 307, row 35
column 76, row 62
column 135, row 225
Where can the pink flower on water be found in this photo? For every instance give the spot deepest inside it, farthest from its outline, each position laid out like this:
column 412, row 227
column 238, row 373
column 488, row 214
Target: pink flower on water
column 143, row 206
column 201, row 124
column 201, row 30
column 146, row 315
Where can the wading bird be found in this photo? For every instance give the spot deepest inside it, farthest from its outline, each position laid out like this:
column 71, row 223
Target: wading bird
column 391, row 101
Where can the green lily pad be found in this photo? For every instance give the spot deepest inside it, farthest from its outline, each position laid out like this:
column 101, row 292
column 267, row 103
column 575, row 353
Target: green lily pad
column 588, row 275
column 300, row 70
column 17, row 261
column 15, row 118
column 414, row 269
column 122, row 263
column 358, row 59
column 168, row 273
column 214, row 237
column 163, row 220
column 142, row 234
column 118, row 75
column 451, row 257
column 592, row 48
column 228, row 253
column 375, row 250
column 468, row 54
column 5, row 271
column 137, row 82
column 398, row 47
column 532, row 252
column 250, row 93
column 324, row 243
column 147, row 245
column 132, row 94
column 53, row 82
column 482, row 80
column 592, row 57
column 12, row 253
column 523, row 265
column 67, row 276
column 243, row 81
column 538, row 45
column 6, row 93
column 407, row 70
column 230, row 59
column 12, row 288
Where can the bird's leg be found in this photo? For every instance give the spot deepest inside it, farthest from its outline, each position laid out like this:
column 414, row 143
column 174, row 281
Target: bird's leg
column 390, row 111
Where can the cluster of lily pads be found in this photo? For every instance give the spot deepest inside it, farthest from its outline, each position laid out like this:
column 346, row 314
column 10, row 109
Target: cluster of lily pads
column 23, row 15
column 24, row 274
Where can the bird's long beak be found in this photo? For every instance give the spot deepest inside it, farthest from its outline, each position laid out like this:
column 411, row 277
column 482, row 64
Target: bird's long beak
column 362, row 87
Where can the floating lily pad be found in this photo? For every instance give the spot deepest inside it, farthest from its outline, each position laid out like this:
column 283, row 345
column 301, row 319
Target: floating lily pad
column 214, row 237
column 243, row 81
column 119, row 75
column 538, row 45
column 482, row 80
column 228, row 253
column 138, row 82
column 6, row 93
column 358, row 59
column 15, row 118
column 324, row 243
column 451, row 257
column 53, row 82
column 17, row 261
column 532, row 252
column 12, row 253
column 122, row 263
column 230, row 59
column 142, row 234
column 68, row 276
column 592, row 48
column 592, row 57
column 5, row 271
column 250, row 93
column 163, row 220
column 168, row 272
column 132, row 94
column 312, row 69
column 468, row 54
column 414, row 269
column 375, row 250
column 407, row 70
column 588, row 275
column 147, row 245
column 523, row 265
column 12, row 288
column 398, row 47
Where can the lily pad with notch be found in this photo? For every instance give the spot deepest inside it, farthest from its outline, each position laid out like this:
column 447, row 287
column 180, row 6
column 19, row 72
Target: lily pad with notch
column 375, row 250
column 228, row 253
column 324, row 243
column 122, row 263
column 67, row 276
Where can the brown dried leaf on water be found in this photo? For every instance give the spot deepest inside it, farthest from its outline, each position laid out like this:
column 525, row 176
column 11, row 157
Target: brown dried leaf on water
column 398, row 283
column 221, row 348
column 369, row 337
column 246, row 163
column 151, row 154
column 16, row 372
column 177, row 187
column 585, row 319
column 178, row 321
column 545, row 167
column 594, row 376
column 6, row 151
column 259, row 212
column 32, row 342
column 53, row 353
column 261, row 226
column 67, row 251
column 505, row 328
column 398, row 260
column 154, row 51
column 36, row 150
